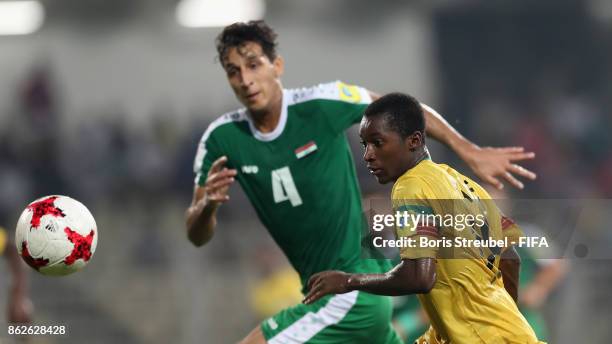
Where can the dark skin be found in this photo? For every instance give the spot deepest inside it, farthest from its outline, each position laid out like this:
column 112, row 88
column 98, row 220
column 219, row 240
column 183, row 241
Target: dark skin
column 410, row 276
column 388, row 156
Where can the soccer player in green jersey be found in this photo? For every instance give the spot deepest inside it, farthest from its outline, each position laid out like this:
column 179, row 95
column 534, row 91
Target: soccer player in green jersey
column 288, row 151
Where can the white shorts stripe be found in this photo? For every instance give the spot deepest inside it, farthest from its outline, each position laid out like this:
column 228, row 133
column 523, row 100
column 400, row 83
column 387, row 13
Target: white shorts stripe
column 312, row 323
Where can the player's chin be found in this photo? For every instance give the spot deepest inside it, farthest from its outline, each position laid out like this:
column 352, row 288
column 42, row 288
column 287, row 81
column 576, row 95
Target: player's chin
column 251, row 105
column 382, row 178
column 255, row 105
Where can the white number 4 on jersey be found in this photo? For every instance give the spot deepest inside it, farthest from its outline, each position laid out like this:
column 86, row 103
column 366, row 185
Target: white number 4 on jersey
column 284, row 188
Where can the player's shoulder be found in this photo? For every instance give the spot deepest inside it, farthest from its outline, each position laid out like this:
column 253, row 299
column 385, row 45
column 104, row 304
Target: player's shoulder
column 480, row 191
column 411, row 185
column 225, row 121
column 426, row 168
column 445, row 172
column 334, row 90
column 473, row 185
column 416, row 181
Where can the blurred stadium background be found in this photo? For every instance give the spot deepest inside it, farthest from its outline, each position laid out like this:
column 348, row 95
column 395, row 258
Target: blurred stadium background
column 106, row 99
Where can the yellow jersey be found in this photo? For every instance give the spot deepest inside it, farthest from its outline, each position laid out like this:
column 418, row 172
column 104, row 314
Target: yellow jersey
column 278, row 291
column 3, row 240
column 468, row 303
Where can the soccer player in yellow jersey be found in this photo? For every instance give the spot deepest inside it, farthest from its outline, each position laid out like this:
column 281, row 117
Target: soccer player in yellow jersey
column 466, row 284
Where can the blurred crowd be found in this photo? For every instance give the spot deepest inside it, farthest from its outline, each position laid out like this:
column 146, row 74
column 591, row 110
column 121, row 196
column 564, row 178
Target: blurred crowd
column 98, row 158
column 569, row 132
column 512, row 78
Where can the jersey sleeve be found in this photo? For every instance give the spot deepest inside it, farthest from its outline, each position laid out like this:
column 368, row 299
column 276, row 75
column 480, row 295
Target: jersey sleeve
column 207, row 153
column 3, row 240
column 413, row 206
column 510, row 229
column 342, row 104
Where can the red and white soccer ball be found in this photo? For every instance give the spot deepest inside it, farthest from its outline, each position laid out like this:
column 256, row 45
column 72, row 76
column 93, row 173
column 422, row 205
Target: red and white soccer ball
column 56, row 235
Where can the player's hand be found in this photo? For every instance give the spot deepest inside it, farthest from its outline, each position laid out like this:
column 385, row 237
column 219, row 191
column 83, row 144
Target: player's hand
column 20, row 309
column 490, row 164
column 218, row 182
column 326, row 282
column 532, row 297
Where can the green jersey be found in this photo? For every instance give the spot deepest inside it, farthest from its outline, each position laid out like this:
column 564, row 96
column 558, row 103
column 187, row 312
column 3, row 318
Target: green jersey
column 300, row 177
column 532, row 260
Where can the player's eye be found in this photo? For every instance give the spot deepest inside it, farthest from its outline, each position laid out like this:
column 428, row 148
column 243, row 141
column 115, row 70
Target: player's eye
column 363, row 143
column 378, row 143
column 231, row 72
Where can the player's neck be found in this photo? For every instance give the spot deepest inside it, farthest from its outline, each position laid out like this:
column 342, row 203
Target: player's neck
column 420, row 156
column 424, row 155
column 267, row 120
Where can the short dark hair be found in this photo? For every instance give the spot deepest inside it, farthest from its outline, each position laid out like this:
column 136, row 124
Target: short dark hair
column 238, row 34
column 402, row 113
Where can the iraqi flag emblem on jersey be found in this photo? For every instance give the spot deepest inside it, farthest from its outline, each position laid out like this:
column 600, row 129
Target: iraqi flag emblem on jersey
column 305, row 149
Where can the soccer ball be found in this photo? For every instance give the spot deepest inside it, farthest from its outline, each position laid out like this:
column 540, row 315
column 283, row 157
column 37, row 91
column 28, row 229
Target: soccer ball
column 56, row 235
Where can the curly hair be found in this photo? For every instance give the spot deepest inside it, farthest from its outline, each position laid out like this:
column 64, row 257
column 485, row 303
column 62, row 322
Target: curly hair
column 238, row 34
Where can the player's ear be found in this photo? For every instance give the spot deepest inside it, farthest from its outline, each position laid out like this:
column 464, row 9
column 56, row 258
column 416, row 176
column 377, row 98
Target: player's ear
column 415, row 140
column 279, row 66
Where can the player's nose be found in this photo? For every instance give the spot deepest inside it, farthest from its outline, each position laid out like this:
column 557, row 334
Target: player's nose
column 246, row 79
column 368, row 154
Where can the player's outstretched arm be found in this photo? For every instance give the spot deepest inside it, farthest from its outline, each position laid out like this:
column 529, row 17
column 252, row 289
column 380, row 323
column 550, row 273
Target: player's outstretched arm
column 510, row 265
column 410, row 276
column 201, row 216
column 20, row 307
column 488, row 163
column 547, row 278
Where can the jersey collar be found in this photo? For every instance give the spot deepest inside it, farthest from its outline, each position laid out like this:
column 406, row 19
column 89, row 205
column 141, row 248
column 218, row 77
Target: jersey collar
column 280, row 127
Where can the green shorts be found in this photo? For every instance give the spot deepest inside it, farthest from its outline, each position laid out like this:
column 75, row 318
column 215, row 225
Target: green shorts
column 354, row 317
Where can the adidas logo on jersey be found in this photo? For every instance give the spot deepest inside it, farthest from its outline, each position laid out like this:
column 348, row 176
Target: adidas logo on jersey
column 250, row 169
